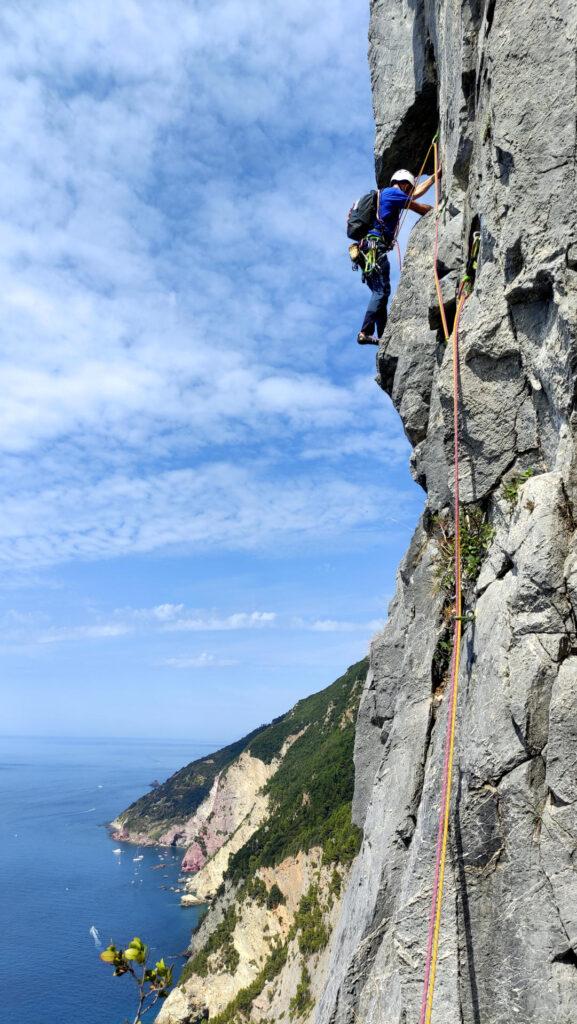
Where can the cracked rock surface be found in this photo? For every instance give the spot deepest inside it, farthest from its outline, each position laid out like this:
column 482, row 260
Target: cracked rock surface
column 501, row 74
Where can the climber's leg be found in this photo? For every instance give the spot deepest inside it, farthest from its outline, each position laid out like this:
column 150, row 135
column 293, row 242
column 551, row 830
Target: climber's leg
column 374, row 310
column 379, row 283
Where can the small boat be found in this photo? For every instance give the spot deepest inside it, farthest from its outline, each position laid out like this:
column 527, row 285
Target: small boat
column 118, row 850
column 140, row 857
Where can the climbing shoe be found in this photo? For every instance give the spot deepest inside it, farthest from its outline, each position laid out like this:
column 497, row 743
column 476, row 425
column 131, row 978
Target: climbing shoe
column 365, row 339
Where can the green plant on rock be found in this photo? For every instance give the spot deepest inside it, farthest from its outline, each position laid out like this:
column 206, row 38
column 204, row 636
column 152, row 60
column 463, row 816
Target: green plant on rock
column 476, row 537
column 336, row 883
column 302, row 1002
column 152, row 983
column 309, row 923
column 343, row 837
column 239, row 1008
column 221, row 942
column 253, row 889
column 442, row 656
column 275, row 897
column 511, row 488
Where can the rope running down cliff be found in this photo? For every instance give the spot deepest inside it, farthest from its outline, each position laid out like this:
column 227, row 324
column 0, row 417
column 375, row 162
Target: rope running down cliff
column 443, row 828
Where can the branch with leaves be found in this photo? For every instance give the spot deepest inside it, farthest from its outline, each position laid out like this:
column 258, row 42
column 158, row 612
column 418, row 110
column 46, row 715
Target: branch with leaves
column 152, row 983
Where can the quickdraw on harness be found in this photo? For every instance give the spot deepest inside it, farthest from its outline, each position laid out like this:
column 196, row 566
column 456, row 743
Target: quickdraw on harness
column 365, row 255
column 432, row 955
column 370, row 255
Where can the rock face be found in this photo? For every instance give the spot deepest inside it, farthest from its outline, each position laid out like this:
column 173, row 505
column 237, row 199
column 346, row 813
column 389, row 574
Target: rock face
column 235, row 798
column 240, row 806
column 502, row 75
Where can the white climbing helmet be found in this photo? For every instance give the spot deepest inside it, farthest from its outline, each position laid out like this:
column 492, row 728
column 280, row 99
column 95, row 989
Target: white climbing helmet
column 403, row 176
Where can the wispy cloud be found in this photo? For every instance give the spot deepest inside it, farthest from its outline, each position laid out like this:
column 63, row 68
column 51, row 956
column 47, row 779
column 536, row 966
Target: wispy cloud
column 204, row 660
column 105, row 631
column 159, row 613
column 216, row 506
column 239, row 620
column 338, row 626
column 173, row 299
column 168, row 618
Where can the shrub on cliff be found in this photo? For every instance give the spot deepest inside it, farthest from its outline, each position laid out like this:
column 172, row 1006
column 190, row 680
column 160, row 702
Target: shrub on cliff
column 219, row 942
column 152, row 983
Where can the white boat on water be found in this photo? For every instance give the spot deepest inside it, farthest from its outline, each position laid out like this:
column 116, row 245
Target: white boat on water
column 118, row 850
column 141, row 857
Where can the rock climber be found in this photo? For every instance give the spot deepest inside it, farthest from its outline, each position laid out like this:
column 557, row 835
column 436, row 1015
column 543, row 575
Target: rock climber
column 401, row 194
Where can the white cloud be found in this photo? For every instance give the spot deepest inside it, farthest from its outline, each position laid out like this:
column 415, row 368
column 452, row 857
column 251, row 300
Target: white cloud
column 150, row 328
column 104, row 631
column 96, row 109
column 203, row 660
column 339, row 626
column 216, row 506
column 159, row 613
column 238, row 620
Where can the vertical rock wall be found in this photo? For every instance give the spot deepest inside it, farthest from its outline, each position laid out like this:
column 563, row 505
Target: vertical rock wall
column 500, row 76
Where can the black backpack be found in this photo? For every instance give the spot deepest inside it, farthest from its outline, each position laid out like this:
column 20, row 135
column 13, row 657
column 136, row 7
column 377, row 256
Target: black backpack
column 362, row 216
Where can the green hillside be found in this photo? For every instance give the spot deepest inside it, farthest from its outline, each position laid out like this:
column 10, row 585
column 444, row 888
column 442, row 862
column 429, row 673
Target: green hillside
column 178, row 798
column 319, row 764
column 310, row 805
column 312, row 790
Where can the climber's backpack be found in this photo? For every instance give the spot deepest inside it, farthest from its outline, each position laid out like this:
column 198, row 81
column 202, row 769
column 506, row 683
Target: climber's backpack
column 362, row 216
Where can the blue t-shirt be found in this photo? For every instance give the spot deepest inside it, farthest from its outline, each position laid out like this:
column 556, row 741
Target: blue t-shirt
column 391, row 202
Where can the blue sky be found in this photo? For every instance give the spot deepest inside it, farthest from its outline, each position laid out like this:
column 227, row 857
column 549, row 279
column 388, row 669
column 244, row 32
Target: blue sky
column 204, row 494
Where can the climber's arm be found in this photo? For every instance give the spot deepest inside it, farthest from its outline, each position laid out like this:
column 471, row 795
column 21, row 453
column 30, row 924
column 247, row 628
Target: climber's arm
column 425, row 185
column 421, row 208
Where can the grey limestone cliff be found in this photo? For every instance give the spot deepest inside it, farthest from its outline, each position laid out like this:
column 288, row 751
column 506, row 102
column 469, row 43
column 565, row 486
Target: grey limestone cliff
column 498, row 76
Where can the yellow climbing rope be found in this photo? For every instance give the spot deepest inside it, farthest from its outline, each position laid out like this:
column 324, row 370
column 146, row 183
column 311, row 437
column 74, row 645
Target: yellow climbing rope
column 443, row 827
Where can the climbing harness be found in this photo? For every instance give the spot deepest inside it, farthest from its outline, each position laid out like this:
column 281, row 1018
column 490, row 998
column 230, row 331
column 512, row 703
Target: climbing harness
column 366, row 255
column 370, row 257
column 432, row 955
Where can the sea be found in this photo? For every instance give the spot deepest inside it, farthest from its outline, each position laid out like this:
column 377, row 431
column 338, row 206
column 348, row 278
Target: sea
column 64, row 891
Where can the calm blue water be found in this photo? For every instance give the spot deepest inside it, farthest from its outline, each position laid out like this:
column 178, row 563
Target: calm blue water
column 59, row 876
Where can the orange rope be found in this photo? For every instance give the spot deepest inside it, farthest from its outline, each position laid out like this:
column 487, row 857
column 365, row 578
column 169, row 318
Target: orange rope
column 444, row 812
column 443, row 829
